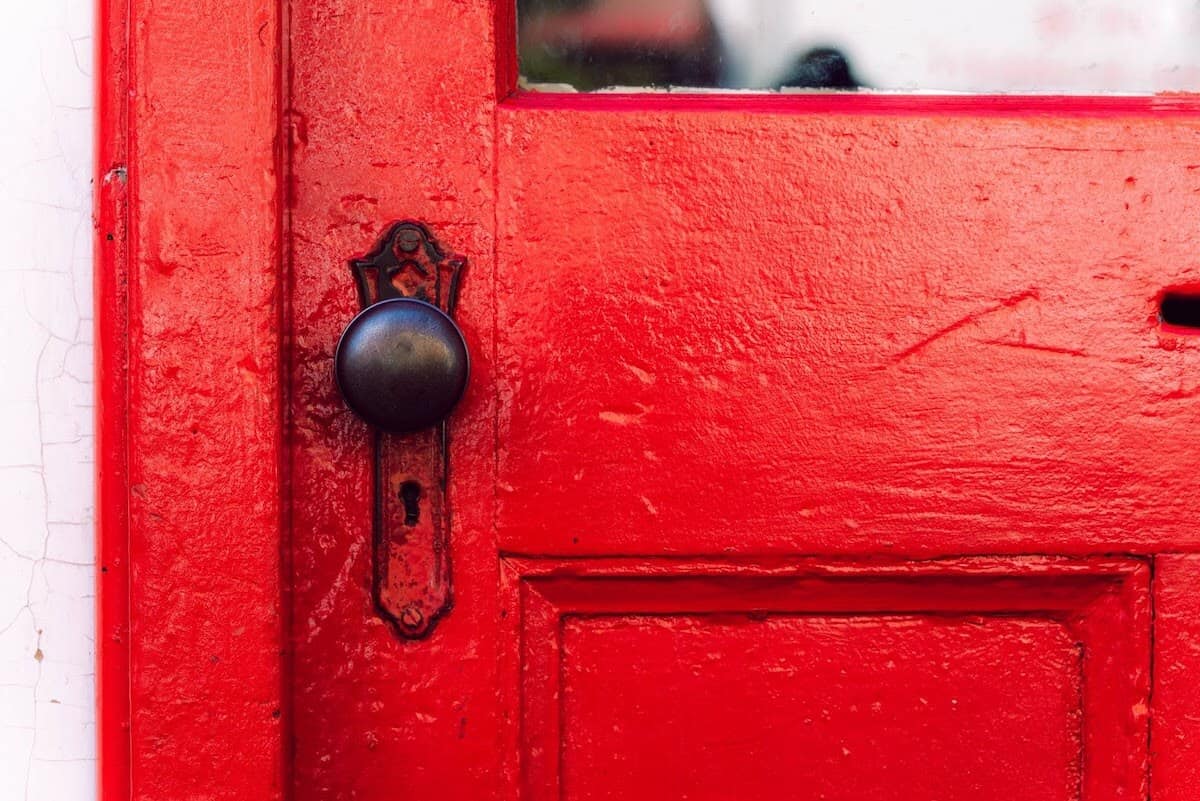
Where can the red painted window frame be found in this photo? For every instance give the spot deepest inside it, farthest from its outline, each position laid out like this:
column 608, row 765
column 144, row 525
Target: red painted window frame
column 133, row 132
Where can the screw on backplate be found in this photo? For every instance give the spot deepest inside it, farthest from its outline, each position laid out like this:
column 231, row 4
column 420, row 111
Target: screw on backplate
column 408, row 240
column 411, row 617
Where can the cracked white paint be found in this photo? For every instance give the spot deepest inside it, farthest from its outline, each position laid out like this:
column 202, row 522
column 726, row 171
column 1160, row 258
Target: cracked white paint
column 47, row 718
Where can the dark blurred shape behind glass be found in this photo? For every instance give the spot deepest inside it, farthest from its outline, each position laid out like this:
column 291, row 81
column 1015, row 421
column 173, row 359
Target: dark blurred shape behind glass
column 598, row 44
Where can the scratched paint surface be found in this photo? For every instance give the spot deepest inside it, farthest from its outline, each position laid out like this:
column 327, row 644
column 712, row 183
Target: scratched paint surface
column 798, row 332
column 47, row 718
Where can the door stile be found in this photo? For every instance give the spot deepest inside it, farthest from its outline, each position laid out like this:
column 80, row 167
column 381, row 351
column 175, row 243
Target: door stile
column 188, row 244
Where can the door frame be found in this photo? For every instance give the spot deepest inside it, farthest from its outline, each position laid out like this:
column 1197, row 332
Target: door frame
column 188, row 217
column 192, row 522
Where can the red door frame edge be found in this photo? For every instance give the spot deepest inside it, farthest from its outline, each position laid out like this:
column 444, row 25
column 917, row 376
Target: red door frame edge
column 111, row 268
column 122, row 79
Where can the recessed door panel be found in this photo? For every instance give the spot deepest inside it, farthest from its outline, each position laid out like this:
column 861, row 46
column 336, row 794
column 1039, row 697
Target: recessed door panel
column 789, row 707
column 1023, row 679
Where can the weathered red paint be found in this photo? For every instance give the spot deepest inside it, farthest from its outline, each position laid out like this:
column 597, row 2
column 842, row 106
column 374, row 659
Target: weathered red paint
column 189, row 450
column 769, row 394
column 1175, row 745
column 111, row 214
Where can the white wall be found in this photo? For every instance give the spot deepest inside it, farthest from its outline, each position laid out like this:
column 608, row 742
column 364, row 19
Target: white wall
column 47, row 719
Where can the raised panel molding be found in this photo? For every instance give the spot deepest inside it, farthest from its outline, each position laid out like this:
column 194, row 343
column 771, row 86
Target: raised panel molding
column 1027, row 677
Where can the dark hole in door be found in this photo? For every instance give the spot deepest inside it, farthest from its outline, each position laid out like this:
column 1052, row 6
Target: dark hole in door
column 1181, row 310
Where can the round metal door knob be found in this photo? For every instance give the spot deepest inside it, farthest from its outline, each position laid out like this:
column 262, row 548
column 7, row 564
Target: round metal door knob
column 402, row 365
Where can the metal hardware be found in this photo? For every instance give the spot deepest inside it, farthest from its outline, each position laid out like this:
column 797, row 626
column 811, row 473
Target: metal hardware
column 402, row 365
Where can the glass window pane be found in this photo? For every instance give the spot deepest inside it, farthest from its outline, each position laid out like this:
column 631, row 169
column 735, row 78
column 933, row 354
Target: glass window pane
column 1070, row 46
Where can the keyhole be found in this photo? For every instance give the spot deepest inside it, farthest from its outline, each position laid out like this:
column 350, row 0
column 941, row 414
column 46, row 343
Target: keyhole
column 410, row 495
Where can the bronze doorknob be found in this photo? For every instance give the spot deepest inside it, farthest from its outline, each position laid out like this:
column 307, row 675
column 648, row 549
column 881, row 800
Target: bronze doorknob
column 402, row 365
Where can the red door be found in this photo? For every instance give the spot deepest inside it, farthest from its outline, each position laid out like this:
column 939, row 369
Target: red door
column 817, row 447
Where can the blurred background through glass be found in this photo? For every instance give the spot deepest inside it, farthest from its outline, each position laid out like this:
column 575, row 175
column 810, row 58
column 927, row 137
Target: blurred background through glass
column 1071, row 46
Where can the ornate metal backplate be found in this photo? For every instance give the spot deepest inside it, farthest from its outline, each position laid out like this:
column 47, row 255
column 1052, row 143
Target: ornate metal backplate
column 412, row 578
